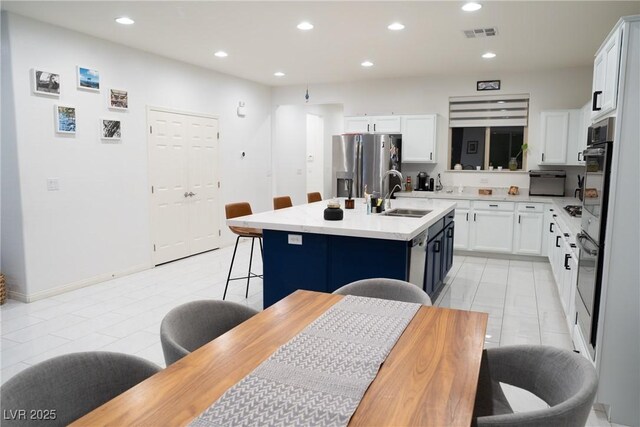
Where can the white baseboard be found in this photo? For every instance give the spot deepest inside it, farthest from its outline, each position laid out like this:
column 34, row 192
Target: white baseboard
column 515, row 257
column 75, row 285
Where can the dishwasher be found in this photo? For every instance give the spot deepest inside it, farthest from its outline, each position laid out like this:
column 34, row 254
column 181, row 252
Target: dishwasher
column 418, row 259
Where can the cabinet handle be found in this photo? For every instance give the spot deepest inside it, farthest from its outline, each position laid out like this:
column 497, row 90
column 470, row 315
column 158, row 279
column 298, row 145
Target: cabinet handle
column 493, row 206
column 595, row 107
column 543, row 157
column 368, row 127
column 374, row 127
column 474, row 217
column 566, row 261
column 431, row 156
column 467, row 216
column 558, row 241
column 518, row 219
column 450, row 232
column 579, row 156
column 436, row 246
column 550, row 227
column 530, row 207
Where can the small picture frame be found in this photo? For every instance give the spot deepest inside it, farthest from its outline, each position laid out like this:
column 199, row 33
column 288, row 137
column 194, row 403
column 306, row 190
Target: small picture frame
column 110, row 130
column 488, row 85
column 118, row 99
column 88, row 79
column 472, row 147
column 65, row 119
column 45, row 83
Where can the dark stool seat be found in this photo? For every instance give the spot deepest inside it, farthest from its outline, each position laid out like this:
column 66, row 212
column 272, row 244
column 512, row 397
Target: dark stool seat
column 235, row 210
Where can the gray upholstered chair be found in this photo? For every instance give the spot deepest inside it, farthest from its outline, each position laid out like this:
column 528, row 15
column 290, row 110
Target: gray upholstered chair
column 392, row 289
column 192, row 325
column 73, row 385
column 566, row 381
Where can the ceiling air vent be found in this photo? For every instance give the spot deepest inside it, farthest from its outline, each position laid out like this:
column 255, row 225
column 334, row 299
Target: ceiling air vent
column 480, row 33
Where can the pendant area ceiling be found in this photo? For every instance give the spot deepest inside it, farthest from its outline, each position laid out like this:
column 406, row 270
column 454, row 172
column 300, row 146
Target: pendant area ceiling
column 261, row 37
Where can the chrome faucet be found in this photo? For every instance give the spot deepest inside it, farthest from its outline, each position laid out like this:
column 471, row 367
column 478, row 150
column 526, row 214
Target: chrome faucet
column 387, row 203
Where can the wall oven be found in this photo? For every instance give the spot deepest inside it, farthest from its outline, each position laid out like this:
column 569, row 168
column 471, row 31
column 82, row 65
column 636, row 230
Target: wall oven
column 594, row 219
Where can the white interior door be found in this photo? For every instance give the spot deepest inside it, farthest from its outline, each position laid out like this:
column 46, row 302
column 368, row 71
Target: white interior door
column 183, row 174
column 315, row 153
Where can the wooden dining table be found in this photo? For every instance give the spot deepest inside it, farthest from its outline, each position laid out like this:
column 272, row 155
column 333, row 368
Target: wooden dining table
column 428, row 379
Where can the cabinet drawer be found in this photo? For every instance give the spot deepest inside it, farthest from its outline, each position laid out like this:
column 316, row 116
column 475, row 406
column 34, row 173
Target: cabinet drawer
column 494, row 206
column 530, row 207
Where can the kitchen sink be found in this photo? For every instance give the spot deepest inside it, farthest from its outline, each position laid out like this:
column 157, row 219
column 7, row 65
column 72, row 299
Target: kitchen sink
column 408, row 213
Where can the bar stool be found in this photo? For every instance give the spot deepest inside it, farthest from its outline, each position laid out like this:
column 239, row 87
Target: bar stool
column 234, row 210
column 282, row 202
column 314, row 197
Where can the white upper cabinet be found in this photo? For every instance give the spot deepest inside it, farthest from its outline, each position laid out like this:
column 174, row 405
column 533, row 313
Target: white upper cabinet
column 356, row 124
column 419, row 138
column 385, row 124
column 606, row 69
column 554, row 134
column 371, row 124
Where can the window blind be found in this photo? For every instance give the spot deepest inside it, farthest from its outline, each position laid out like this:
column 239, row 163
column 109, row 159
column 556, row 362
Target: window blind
column 485, row 111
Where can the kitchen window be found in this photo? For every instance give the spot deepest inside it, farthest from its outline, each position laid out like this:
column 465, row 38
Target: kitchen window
column 488, row 132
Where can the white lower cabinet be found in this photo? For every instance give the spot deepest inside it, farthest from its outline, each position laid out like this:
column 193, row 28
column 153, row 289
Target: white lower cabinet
column 492, row 231
column 528, row 233
column 461, row 235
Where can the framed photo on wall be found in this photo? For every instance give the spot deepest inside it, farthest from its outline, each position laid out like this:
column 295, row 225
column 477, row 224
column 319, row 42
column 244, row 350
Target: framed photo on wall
column 111, row 130
column 88, row 79
column 65, row 119
column 488, row 85
column 45, row 83
column 472, row 147
column 118, row 99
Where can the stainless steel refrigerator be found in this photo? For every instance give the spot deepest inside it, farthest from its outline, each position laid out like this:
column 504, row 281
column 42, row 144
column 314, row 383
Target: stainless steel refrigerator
column 361, row 160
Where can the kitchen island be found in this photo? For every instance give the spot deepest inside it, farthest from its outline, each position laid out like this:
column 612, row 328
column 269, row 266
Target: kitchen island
column 302, row 250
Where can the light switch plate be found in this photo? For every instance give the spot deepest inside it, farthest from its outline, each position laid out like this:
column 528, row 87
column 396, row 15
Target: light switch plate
column 295, row 239
column 53, row 184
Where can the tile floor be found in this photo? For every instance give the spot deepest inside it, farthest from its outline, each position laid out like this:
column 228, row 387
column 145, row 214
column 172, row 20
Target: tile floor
column 124, row 314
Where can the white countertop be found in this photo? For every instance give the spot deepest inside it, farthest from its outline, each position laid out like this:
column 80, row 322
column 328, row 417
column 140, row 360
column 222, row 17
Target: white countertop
column 309, row 218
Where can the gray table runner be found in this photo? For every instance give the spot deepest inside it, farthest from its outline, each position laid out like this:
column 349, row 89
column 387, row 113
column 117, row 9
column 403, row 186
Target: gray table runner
column 319, row 377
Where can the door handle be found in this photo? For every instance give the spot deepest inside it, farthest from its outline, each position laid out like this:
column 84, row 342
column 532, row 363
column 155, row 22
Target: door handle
column 595, row 107
column 436, row 246
column 550, row 227
column 566, row 261
column 558, row 241
column 450, row 232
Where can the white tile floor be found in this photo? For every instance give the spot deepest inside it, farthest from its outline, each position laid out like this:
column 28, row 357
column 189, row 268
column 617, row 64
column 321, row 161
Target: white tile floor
column 124, row 314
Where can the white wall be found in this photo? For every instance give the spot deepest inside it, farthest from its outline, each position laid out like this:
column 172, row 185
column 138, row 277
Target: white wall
column 552, row 89
column 289, row 147
column 97, row 225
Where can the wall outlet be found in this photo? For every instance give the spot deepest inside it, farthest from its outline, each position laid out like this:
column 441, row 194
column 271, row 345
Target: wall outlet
column 53, row 184
column 295, row 239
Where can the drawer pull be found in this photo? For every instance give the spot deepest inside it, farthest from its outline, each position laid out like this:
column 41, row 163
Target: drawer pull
column 493, row 206
column 530, row 207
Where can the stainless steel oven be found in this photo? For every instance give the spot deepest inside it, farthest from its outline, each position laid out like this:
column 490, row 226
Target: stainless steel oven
column 597, row 157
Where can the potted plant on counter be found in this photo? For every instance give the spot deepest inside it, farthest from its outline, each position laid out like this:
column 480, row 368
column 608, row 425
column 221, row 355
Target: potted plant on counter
column 513, row 163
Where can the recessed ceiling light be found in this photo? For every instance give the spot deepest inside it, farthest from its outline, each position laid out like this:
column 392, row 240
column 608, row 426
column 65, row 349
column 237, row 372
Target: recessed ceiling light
column 489, row 55
column 124, row 20
column 221, row 54
column 396, row 26
column 471, row 6
column 278, row 74
column 367, row 64
column 305, row 26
